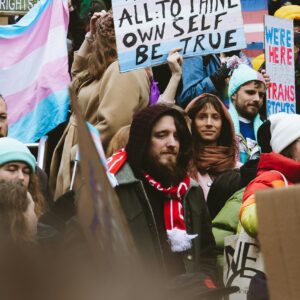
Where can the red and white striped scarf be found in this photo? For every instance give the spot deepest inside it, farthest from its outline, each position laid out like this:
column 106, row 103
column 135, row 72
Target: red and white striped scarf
column 173, row 213
column 116, row 161
column 173, row 210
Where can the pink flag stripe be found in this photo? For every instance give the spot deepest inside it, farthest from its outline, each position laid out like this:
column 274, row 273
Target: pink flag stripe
column 32, row 39
column 253, row 17
column 252, row 37
column 28, row 98
column 30, row 66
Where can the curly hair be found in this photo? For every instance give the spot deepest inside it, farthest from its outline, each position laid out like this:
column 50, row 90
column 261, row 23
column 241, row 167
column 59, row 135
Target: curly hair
column 118, row 141
column 37, row 196
column 103, row 54
column 13, row 205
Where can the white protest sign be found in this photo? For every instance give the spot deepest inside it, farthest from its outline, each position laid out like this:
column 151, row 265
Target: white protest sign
column 242, row 261
column 16, row 6
column 146, row 31
column 279, row 53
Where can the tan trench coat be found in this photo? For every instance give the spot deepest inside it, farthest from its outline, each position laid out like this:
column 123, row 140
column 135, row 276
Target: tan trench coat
column 108, row 104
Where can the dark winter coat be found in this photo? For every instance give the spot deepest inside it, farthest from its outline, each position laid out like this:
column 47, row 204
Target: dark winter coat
column 136, row 205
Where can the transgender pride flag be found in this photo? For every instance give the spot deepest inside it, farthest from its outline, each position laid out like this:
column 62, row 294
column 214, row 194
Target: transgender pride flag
column 253, row 12
column 34, row 70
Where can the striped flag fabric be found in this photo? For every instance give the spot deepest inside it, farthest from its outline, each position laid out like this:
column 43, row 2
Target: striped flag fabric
column 253, row 12
column 34, row 75
column 97, row 141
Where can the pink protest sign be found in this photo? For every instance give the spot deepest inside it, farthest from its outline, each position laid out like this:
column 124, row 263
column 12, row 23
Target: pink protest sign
column 279, row 53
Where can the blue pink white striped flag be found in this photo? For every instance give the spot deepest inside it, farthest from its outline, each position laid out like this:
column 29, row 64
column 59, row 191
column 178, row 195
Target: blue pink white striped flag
column 34, row 70
column 97, row 141
column 253, row 12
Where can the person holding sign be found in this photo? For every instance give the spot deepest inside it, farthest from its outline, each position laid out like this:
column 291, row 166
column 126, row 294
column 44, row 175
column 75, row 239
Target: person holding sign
column 107, row 98
column 246, row 91
column 292, row 12
column 279, row 168
column 202, row 74
column 281, row 54
column 175, row 62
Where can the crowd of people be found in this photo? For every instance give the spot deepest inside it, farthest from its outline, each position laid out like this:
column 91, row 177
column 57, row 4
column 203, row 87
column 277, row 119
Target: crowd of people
column 188, row 153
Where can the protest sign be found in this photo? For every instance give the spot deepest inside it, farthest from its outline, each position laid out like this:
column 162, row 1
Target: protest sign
column 242, row 261
column 146, row 31
column 97, row 141
column 34, row 74
column 278, row 212
column 279, row 53
column 99, row 209
column 16, row 7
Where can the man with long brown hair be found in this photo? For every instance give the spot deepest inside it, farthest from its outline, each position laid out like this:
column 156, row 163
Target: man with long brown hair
column 165, row 209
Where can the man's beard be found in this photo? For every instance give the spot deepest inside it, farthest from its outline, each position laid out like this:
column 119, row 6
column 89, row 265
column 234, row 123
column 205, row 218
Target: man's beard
column 167, row 174
column 242, row 111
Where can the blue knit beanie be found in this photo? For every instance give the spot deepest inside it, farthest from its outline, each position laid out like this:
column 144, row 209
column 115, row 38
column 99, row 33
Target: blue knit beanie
column 12, row 150
column 242, row 75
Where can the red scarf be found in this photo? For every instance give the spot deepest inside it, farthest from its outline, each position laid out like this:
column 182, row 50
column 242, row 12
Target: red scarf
column 173, row 213
column 173, row 210
column 116, row 161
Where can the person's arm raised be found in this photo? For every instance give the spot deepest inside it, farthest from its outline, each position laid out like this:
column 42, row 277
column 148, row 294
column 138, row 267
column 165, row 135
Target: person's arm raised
column 87, row 45
column 175, row 61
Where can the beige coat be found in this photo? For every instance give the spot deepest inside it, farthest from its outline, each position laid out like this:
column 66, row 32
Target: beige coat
column 108, row 104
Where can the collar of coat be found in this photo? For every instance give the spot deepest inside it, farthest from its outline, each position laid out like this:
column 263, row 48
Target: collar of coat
column 274, row 161
column 125, row 175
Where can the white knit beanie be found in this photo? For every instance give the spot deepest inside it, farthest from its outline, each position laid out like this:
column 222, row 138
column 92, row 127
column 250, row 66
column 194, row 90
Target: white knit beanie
column 285, row 129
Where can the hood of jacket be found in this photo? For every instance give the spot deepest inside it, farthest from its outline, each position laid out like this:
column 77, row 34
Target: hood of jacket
column 274, row 161
column 140, row 133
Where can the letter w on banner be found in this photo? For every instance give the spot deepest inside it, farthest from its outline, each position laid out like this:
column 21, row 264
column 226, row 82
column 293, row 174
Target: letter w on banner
column 34, row 70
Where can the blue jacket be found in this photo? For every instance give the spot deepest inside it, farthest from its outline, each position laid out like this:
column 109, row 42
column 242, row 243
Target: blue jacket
column 196, row 77
column 245, row 152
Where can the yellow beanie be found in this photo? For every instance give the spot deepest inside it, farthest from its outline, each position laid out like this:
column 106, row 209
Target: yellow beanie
column 291, row 12
column 258, row 61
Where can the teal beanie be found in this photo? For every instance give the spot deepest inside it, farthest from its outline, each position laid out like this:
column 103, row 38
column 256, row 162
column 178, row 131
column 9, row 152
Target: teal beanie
column 242, row 75
column 13, row 150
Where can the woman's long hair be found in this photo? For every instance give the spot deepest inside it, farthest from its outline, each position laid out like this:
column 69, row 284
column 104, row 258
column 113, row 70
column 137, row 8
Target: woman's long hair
column 13, row 205
column 103, row 54
column 227, row 137
column 37, row 196
column 226, row 149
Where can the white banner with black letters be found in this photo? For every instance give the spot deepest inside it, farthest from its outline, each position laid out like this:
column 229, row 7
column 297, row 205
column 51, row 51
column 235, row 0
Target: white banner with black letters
column 242, row 260
column 146, row 31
